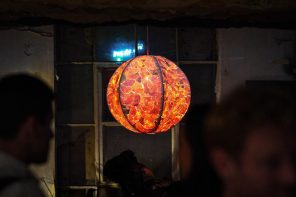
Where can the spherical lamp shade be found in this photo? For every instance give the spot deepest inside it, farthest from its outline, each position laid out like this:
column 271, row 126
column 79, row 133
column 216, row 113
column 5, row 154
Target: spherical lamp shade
column 148, row 94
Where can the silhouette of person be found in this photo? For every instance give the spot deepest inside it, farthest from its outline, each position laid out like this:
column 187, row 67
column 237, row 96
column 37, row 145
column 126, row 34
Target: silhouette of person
column 251, row 140
column 198, row 177
column 25, row 132
column 134, row 178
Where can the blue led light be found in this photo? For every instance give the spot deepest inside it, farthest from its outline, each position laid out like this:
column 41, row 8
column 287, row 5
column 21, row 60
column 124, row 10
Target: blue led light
column 122, row 53
column 126, row 53
column 140, row 46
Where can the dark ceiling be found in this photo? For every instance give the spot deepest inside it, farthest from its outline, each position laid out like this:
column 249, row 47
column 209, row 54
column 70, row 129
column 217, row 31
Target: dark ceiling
column 225, row 12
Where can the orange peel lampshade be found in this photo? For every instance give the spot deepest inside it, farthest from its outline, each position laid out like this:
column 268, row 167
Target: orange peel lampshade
column 148, row 94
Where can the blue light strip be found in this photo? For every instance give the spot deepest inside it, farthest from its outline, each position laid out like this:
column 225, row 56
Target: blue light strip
column 126, row 53
column 123, row 53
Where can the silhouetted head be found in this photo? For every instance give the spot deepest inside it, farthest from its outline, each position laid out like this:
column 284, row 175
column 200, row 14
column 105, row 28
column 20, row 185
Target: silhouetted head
column 120, row 167
column 26, row 114
column 134, row 178
column 199, row 176
column 251, row 139
column 191, row 137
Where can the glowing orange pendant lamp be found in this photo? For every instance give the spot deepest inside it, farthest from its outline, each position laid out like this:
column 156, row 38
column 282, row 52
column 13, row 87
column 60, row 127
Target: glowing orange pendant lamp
column 148, row 94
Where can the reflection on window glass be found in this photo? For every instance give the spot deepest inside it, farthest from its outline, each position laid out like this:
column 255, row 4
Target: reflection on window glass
column 115, row 43
column 122, row 51
column 142, row 39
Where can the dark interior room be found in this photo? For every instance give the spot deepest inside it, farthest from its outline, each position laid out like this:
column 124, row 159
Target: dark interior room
column 84, row 51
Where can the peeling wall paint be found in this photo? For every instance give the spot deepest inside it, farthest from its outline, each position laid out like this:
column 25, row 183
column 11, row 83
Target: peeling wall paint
column 254, row 54
column 31, row 51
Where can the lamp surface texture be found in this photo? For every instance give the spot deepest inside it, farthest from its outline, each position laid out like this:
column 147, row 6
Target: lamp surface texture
column 148, row 94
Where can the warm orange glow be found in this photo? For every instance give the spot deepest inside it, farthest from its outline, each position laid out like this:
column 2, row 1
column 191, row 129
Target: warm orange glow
column 148, row 94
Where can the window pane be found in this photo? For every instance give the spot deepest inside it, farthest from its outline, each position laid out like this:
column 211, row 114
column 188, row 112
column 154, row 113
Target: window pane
column 154, row 151
column 71, row 152
column 74, row 44
column 197, row 44
column 74, row 91
column 115, row 43
column 202, row 79
column 142, row 39
column 162, row 41
column 106, row 75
